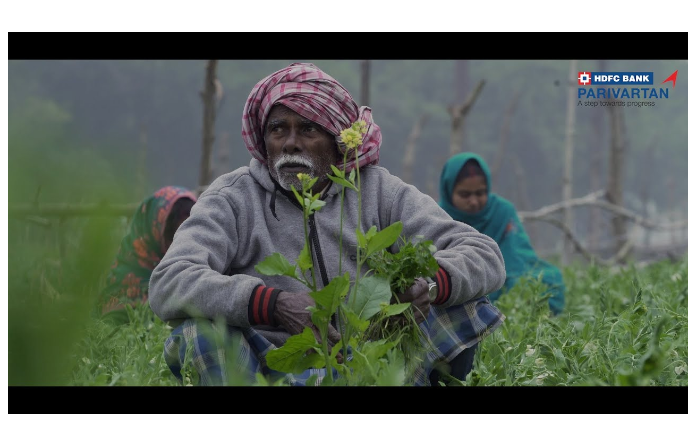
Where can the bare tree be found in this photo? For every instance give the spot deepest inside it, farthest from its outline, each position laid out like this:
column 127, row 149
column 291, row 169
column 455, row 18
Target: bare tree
column 569, row 151
column 504, row 134
column 411, row 147
column 616, row 170
column 595, row 168
column 461, row 79
column 458, row 113
column 596, row 199
column 365, row 82
column 209, row 97
column 461, row 82
column 64, row 211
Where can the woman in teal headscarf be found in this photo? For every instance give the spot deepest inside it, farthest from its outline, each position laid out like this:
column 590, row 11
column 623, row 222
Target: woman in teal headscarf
column 148, row 237
column 465, row 190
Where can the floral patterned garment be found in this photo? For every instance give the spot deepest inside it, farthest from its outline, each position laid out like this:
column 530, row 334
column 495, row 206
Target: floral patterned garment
column 141, row 250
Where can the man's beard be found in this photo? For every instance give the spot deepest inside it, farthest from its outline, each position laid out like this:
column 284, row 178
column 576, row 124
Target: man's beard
column 285, row 179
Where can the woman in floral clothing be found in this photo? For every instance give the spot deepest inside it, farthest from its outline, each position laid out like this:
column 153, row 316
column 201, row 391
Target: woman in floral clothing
column 148, row 237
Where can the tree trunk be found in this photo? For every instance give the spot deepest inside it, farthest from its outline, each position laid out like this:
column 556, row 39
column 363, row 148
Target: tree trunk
column 504, row 136
column 460, row 86
column 365, row 82
column 616, row 169
column 522, row 191
column 458, row 113
column 569, row 150
column 595, row 168
column 410, row 149
column 209, row 99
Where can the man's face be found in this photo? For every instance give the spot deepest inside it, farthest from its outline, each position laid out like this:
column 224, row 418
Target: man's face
column 297, row 145
column 470, row 194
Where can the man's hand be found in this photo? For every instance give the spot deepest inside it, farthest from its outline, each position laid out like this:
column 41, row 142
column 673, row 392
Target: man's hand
column 418, row 295
column 291, row 314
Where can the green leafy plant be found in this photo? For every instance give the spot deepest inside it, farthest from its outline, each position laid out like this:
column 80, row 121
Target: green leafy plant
column 412, row 261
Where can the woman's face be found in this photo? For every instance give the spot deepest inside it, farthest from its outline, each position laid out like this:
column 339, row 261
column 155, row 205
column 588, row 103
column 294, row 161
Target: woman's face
column 470, row 194
column 177, row 222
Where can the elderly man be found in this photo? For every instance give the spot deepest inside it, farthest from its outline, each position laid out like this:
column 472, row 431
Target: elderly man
column 291, row 124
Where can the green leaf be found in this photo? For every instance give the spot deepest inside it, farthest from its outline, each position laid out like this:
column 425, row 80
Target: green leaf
column 393, row 374
column 354, row 320
column 291, row 358
column 331, row 295
column 298, row 196
column 305, row 261
column 276, row 264
column 337, row 172
column 311, row 183
column 371, row 233
column 311, row 380
column 342, row 182
column 352, row 175
column 374, row 350
column 371, row 292
column 312, row 205
column 360, row 238
column 392, row 310
column 385, row 238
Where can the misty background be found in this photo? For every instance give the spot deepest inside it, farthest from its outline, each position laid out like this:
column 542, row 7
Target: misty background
column 137, row 125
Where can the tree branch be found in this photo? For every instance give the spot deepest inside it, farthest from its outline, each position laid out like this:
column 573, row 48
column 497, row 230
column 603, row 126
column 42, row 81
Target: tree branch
column 619, row 256
column 71, row 210
column 592, row 199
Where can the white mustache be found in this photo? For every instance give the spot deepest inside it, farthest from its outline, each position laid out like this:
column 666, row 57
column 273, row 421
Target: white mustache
column 295, row 159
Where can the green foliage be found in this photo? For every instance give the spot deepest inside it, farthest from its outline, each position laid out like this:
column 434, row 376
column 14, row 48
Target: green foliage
column 619, row 328
column 125, row 354
column 55, row 272
column 413, row 260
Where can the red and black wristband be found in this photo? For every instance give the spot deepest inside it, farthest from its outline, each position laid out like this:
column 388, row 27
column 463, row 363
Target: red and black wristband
column 260, row 310
column 443, row 283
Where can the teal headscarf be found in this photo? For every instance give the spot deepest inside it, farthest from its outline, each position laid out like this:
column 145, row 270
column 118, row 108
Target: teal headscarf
column 499, row 220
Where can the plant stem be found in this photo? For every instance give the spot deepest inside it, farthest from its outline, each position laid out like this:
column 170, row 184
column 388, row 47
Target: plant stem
column 359, row 261
column 342, row 329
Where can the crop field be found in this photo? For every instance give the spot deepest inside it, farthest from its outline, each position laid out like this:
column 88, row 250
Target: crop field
column 621, row 326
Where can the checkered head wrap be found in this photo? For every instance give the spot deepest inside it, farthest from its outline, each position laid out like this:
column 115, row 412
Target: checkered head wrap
column 312, row 93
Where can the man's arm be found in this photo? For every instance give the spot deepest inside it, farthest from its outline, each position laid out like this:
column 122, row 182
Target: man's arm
column 189, row 281
column 471, row 264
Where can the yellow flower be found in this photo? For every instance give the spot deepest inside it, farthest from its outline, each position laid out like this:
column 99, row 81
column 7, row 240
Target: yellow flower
column 360, row 126
column 351, row 138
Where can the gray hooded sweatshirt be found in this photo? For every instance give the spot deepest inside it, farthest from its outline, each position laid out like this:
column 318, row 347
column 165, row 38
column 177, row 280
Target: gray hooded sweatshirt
column 243, row 217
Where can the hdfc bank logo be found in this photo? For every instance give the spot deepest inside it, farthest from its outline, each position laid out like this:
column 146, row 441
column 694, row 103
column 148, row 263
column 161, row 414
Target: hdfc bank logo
column 590, row 87
column 583, row 78
column 615, row 78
